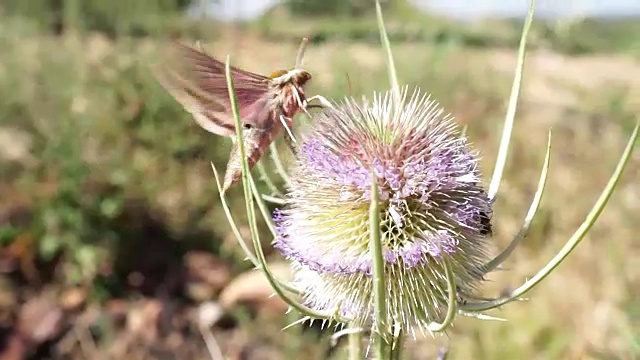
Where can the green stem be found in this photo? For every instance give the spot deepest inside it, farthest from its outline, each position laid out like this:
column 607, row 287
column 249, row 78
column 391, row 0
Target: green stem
column 71, row 13
column 355, row 344
column 501, row 159
column 266, row 178
column 528, row 220
column 398, row 341
column 391, row 67
column 379, row 285
column 275, row 156
column 452, row 304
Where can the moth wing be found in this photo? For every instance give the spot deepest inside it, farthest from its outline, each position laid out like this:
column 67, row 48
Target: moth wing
column 207, row 111
column 208, row 63
column 208, row 74
column 199, row 84
column 258, row 114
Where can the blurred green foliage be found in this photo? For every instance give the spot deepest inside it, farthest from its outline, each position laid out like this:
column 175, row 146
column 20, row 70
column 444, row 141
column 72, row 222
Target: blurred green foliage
column 325, row 20
column 110, row 17
column 98, row 128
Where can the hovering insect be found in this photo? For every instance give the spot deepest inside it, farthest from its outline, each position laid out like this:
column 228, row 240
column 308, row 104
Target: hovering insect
column 266, row 104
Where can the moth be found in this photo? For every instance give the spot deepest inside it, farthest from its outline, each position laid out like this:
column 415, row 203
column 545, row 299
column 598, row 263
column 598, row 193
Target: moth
column 267, row 104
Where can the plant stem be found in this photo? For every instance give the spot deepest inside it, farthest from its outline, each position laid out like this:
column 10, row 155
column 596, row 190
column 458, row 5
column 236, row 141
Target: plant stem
column 396, row 349
column 379, row 284
column 355, row 345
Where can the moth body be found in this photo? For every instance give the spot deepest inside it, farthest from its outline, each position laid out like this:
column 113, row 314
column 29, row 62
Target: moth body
column 266, row 104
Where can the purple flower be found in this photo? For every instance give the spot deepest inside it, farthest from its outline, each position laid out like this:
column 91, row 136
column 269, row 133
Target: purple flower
column 432, row 207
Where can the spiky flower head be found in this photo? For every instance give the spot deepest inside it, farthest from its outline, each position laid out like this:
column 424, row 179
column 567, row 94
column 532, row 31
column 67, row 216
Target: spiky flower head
column 432, row 209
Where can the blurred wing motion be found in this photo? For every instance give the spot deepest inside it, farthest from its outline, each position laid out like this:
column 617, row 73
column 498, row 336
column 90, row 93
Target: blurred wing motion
column 198, row 82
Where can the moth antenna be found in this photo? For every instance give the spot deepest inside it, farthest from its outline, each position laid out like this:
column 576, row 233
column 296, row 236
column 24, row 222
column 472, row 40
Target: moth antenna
column 301, row 50
column 302, row 104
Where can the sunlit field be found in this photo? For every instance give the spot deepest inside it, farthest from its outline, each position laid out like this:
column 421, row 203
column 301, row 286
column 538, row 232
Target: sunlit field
column 114, row 240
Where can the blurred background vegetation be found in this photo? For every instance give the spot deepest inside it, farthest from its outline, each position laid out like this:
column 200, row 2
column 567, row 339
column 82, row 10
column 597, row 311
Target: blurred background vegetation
column 113, row 241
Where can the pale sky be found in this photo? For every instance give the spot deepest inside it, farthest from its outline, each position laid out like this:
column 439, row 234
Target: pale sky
column 546, row 8
column 469, row 9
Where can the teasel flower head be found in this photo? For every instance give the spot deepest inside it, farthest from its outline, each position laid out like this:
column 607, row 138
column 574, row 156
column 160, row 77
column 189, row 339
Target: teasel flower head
column 433, row 210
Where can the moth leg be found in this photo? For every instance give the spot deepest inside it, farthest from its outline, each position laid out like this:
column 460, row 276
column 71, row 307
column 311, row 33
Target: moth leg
column 304, row 104
column 323, row 101
column 296, row 94
column 290, row 140
column 301, row 103
column 286, row 127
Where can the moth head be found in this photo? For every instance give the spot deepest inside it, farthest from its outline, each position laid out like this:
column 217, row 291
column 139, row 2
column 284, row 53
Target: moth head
column 300, row 77
column 296, row 77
